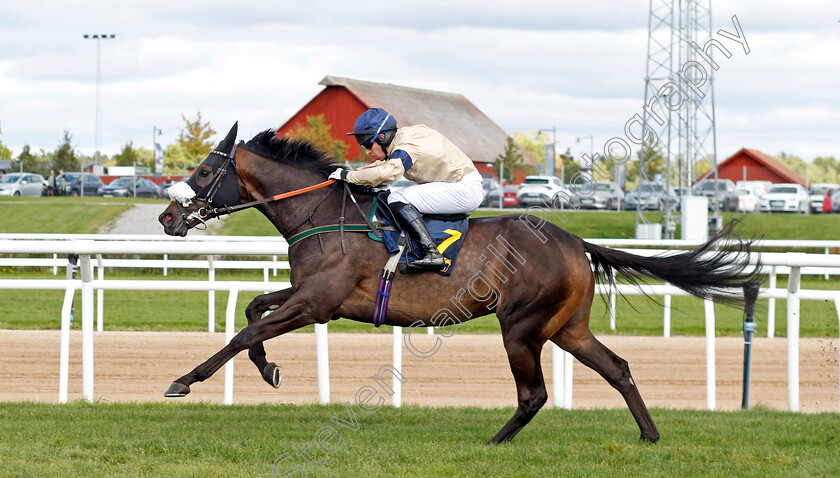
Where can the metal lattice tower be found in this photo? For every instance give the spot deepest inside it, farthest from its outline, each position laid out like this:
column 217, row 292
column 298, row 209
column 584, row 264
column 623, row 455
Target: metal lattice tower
column 679, row 69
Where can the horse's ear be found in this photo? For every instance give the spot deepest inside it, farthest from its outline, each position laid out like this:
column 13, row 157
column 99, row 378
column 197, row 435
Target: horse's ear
column 230, row 140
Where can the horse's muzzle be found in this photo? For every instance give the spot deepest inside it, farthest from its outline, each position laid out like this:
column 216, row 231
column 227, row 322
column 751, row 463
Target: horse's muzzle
column 173, row 222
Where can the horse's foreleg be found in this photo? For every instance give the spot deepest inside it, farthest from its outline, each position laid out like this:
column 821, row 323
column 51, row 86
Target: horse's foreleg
column 260, row 305
column 524, row 358
column 615, row 370
column 285, row 319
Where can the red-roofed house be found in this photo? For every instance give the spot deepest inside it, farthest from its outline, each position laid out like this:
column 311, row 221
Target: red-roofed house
column 753, row 165
column 343, row 100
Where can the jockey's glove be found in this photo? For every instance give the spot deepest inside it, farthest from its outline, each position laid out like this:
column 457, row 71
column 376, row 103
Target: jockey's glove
column 340, row 174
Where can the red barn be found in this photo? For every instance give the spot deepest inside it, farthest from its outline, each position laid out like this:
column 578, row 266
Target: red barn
column 343, row 100
column 753, row 165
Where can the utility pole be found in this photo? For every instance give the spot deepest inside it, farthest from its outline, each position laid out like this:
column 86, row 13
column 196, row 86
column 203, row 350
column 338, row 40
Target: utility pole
column 550, row 156
column 98, row 38
column 591, row 149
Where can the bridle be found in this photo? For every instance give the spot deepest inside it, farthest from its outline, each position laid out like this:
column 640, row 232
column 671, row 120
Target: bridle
column 207, row 194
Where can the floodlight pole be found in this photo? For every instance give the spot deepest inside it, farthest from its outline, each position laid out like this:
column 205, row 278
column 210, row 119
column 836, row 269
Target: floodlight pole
column 591, row 148
column 155, row 133
column 98, row 38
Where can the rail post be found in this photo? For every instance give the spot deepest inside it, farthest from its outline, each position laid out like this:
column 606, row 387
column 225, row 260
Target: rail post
column 100, row 296
column 230, row 319
column 710, row 353
column 771, row 306
column 323, row 358
column 211, row 296
column 396, row 399
column 87, row 326
column 556, row 376
column 793, row 337
column 750, row 296
column 64, row 348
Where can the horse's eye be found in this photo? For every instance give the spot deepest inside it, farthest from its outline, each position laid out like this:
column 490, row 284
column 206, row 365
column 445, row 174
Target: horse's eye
column 204, row 173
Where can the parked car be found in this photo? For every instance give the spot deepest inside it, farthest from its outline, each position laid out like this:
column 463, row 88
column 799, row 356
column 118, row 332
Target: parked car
column 164, row 188
column 126, row 186
column 542, row 191
column 76, row 181
column 492, row 192
column 648, row 195
column 21, row 184
column 835, row 201
column 758, row 187
column 720, row 191
column 826, row 206
column 817, row 194
column 786, row 197
column 599, row 195
column 510, row 195
column 748, row 200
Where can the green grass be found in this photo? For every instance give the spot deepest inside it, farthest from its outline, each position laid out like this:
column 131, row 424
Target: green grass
column 173, row 439
column 82, row 215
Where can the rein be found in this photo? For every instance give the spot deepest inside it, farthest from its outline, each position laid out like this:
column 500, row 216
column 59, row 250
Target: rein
column 209, row 213
column 207, row 194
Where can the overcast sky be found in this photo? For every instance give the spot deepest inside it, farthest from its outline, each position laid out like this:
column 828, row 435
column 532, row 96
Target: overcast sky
column 527, row 64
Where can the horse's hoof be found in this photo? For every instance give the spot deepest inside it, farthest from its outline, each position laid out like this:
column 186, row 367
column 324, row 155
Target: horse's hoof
column 649, row 438
column 271, row 374
column 176, row 390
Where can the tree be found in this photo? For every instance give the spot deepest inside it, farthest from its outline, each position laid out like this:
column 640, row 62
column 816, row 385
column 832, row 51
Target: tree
column 126, row 157
column 824, row 170
column 5, row 153
column 65, row 156
column 533, row 141
column 794, row 162
column 570, row 166
column 176, row 160
column 317, row 132
column 514, row 162
column 702, row 167
column 194, row 139
column 654, row 164
column 26, row 161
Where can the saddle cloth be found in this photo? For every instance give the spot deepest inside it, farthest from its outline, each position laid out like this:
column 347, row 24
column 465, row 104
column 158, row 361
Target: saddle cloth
column 448, row 234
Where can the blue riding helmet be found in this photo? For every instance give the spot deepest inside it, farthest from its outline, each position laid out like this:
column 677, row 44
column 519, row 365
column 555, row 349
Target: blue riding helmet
column 370, row 124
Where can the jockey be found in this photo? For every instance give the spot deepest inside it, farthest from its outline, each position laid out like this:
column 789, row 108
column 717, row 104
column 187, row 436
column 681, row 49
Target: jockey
column 447, row 181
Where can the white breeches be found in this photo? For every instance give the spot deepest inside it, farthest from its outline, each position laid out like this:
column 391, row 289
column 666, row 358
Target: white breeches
column 463, row 196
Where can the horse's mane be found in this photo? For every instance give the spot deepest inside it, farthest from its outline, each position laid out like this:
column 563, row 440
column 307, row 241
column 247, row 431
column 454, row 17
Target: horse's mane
column 297, row 152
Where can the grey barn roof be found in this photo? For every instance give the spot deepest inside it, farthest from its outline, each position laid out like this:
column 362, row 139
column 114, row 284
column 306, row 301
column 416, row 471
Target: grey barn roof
column 452, row 114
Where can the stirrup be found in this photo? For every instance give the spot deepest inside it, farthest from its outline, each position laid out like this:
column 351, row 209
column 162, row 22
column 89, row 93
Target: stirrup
column 430, row 262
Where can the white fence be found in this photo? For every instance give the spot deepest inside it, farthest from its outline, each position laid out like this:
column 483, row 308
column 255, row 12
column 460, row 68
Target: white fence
column 89, row 247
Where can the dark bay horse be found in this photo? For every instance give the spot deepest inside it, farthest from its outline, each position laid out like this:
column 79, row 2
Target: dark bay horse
column 535, row 276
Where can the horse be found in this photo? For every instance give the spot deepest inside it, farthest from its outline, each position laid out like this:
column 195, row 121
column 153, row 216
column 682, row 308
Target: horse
column 534, row 275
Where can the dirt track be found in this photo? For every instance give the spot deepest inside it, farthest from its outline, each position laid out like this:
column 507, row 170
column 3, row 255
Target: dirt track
column 467, row 370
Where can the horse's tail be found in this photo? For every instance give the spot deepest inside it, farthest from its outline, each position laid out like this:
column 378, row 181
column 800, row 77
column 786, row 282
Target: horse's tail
column 718, row 269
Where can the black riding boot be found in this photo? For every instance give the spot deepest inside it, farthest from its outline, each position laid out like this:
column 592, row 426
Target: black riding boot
column 432, row 260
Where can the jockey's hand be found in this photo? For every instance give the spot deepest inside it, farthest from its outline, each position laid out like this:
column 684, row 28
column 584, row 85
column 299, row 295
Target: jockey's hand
column 339, row 174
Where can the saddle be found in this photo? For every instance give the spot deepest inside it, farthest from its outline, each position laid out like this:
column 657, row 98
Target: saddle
column 447, row 230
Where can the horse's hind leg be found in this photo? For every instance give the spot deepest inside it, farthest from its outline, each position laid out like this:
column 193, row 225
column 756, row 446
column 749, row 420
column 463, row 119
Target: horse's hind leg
column 260, row 305
column 576, row 338
column 524, row 357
